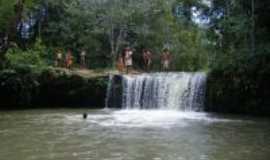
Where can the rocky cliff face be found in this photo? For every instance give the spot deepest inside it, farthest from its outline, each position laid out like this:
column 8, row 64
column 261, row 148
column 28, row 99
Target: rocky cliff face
column 51, row 88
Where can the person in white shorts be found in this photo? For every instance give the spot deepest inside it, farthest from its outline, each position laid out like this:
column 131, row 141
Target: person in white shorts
column 166, row 60
column 128, row 59
column 83, row 59
column 59, row 59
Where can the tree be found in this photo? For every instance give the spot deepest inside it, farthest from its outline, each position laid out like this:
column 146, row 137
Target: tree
column 103, row 28
column 11, row 15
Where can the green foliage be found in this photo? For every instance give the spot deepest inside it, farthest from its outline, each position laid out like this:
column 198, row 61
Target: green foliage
column 244, row 31
column 104, row 28
column 7, row 12
column 50, row 88
column 240, row 88
column 17, row 88
column 34, row 57
column 234, row 46
column 239, row 77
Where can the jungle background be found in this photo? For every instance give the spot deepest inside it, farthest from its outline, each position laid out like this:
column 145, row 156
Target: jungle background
column 228, row 39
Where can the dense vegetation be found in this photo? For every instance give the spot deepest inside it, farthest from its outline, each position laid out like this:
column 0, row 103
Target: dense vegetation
column 201, row 34
column 104, row 28
column 50, row 87
column 238, row 81
column 228, row 38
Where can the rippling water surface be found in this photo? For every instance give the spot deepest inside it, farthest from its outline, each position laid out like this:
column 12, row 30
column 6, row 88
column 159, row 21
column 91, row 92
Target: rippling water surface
column 131, row 135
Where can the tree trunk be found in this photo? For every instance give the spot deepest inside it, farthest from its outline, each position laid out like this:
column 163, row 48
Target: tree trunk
column 11, row 31
column 112, row 42
column 12, row 28
column 118, row 41
column 252, row 32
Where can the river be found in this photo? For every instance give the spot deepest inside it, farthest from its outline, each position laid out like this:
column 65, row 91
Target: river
column 131, row 135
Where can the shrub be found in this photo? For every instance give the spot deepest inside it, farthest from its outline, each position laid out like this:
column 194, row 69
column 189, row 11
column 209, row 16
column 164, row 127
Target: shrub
column 33, row 58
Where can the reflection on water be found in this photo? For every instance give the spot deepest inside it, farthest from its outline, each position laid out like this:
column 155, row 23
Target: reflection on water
column 131, row 135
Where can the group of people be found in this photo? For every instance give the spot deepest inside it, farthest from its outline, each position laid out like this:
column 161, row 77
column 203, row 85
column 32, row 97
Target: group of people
column 125, row 60
column 67, row 60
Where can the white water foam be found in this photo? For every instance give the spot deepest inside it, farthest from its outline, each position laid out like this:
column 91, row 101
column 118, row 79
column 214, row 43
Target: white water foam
column 146, row 118
column 161, row 100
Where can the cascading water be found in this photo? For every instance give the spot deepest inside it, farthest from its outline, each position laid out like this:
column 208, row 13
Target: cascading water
column 166, row 91
column 109, row 91
column 156, row 99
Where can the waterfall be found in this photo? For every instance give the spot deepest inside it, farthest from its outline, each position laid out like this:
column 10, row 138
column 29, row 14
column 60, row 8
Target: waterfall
column 109, row 91
column 166, row 91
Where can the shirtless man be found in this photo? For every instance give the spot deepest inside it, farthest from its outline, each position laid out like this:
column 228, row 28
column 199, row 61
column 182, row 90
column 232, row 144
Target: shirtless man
column 166, row 60
column 83, row 58
column 69, row 59
column 128, row 59
column 147, row 58
column 59, row 58
column 120, row 64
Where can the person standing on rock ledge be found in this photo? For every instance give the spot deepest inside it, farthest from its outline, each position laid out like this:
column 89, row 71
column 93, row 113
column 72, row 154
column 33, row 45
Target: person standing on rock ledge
column 147, row 59
column 120, row 64
column 166, row 59
column 83, row 59
column 59, row 58
column 128, row 61
column 69, row 59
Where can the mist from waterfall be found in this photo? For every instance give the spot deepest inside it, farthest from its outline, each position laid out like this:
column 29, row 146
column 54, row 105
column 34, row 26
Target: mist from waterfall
column 165, row 91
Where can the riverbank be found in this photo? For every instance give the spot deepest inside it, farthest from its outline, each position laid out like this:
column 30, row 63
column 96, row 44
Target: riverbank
column 240, row 89
column 53, row 87
column 228, row 90
column 28, row 88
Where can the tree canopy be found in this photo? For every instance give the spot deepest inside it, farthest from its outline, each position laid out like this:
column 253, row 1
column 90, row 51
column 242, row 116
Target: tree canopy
column 201, row 34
